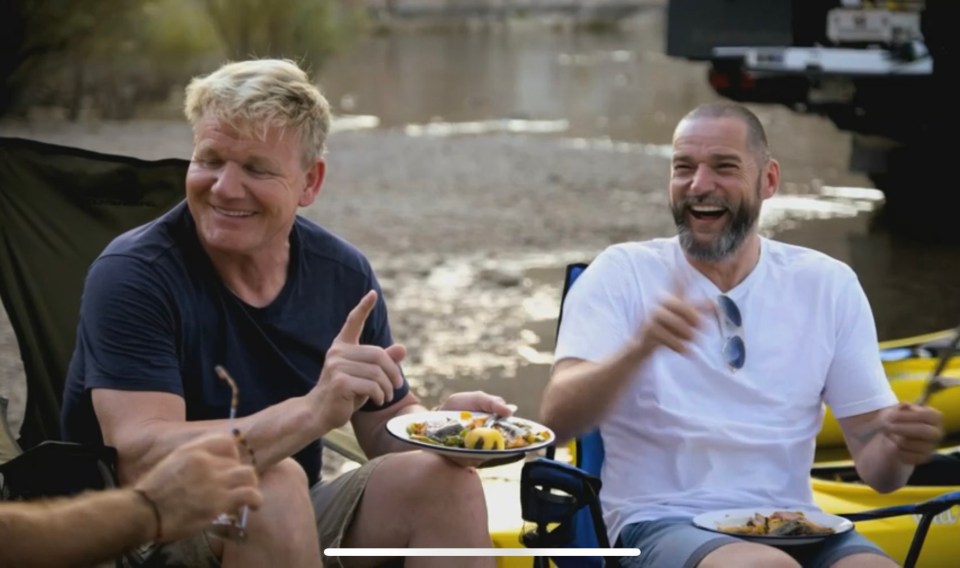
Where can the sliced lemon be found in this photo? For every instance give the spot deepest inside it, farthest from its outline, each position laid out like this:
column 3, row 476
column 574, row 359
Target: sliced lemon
column 484, row 439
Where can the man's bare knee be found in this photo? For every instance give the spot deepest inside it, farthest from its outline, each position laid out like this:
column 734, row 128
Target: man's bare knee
column 283, row 531
column 286, row 474
column 286, row 498
column 747, row 555
column 437, row 479
column 433, row 503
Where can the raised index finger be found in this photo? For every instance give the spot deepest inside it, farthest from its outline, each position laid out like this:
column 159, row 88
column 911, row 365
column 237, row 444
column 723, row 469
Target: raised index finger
column 357, row 318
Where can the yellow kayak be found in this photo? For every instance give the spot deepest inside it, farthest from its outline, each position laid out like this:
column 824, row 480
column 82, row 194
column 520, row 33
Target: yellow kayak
column 908, row 363
column 894, row 535
column 502, row 488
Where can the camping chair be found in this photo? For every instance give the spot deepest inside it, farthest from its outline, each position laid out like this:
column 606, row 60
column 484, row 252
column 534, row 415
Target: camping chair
column 59, row 207
column 562, row 500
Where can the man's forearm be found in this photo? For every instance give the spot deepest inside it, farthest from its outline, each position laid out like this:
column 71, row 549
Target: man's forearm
column 273, row 434
column 370, row 428
column 579, row 396
column 79, row 531
column 879, row 467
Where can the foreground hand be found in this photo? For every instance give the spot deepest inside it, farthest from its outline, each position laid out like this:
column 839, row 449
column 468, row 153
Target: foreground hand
column 915, row 431
column 353, row 373
column 199, row 481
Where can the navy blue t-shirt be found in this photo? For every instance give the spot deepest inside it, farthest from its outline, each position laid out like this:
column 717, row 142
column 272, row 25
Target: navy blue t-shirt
column 155, row 316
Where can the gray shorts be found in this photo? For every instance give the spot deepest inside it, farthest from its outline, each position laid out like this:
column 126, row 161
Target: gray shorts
column 675, row 541
column 334, row 503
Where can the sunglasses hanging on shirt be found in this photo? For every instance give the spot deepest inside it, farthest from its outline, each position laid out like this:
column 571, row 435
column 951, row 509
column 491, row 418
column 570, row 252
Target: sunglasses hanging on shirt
column 731, row 326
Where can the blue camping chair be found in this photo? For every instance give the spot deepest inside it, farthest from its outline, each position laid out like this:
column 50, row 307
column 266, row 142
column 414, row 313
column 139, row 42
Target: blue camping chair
column 562, row 500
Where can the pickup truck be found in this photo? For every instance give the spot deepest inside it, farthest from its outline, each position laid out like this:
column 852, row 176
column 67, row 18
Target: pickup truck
column 876, row 69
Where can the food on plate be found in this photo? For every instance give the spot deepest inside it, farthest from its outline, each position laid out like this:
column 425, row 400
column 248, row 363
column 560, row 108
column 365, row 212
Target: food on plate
column 779, row 523
column 476, row 433
column 484, row 438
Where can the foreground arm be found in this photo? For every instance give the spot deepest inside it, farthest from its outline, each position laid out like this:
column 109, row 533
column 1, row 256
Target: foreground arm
column 74, row 532
column 886, row 444
column 189, row 488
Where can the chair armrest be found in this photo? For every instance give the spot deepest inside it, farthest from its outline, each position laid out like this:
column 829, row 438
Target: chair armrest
column 927, row 511
column 556, row 493
column 55, row 468
column 344, row 442
column 933, row 506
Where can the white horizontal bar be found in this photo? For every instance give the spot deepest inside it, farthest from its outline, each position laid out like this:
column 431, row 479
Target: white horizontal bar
column 393, row 552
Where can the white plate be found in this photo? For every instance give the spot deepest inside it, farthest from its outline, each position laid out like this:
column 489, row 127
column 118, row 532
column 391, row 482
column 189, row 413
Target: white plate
column 397, row 426
column 713, row 520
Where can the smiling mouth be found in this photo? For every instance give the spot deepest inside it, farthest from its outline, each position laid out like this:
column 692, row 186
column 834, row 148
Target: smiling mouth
column 233, row 213
column 706, row 212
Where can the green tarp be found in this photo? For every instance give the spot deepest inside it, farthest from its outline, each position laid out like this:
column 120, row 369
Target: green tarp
column 59, row 207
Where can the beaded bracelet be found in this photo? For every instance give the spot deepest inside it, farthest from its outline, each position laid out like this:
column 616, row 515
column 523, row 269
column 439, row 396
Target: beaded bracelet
column 158, row 537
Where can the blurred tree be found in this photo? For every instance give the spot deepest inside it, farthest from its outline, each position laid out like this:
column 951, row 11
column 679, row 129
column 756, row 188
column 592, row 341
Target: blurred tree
column 304, row 30
column 51, row 37
column 112, row 55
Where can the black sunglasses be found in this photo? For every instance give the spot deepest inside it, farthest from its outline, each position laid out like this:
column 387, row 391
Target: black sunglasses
column 731, row 325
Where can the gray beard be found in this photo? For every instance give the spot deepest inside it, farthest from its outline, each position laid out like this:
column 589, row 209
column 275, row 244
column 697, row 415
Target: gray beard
column 721, row 249
column 729, row 242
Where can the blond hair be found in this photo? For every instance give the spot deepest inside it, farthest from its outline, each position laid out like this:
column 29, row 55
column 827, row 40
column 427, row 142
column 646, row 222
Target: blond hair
column 260, row 93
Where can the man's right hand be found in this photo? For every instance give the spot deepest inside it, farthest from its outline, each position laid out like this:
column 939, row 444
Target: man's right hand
column 197, row 482
column 673, row 324
column 353, row 373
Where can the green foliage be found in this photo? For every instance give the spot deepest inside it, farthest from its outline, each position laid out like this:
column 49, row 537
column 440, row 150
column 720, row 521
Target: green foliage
column 304, row 30
column 111, row 55
column 178, row 30
column 46, row 39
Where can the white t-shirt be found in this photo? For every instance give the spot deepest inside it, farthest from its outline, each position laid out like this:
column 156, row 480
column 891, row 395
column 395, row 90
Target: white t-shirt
column 688, row 434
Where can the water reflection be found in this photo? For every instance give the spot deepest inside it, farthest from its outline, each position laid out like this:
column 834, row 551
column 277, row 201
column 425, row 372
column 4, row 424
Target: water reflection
column 512, row 125
column 615, row 85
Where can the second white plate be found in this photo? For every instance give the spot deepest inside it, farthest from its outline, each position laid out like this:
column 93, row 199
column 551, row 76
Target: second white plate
column 713, row 520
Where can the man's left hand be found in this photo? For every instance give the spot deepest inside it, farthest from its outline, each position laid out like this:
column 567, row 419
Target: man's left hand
column 915, row 431
column 478, row 401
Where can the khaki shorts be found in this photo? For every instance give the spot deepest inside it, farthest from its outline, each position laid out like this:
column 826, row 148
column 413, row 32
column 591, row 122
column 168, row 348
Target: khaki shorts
column 334, row 503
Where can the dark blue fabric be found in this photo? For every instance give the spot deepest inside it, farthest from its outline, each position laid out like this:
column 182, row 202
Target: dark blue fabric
column 155, row 316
